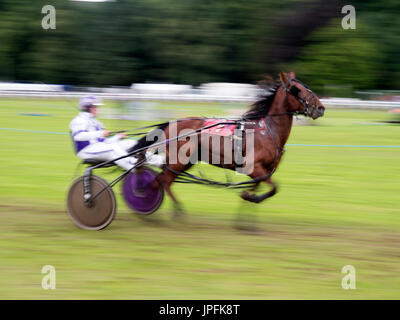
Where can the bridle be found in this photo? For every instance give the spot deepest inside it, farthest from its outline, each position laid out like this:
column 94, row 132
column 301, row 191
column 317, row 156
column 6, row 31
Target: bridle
column 309, row 102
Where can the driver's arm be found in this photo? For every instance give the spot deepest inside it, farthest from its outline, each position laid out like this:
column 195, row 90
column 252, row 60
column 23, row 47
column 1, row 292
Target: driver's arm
column 80, row 133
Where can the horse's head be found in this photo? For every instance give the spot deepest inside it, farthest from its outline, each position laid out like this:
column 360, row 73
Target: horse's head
column 301, row 99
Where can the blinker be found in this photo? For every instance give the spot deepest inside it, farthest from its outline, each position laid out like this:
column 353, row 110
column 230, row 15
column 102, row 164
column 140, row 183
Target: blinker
column 294, row 91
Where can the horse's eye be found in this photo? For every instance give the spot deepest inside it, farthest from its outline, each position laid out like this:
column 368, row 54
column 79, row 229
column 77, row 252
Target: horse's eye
column 294, row 91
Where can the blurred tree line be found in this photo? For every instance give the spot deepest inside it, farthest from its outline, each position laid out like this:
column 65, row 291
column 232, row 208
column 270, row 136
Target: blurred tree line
column 192, row 41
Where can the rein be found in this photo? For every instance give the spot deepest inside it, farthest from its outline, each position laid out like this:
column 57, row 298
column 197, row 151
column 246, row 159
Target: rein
column 154, row 126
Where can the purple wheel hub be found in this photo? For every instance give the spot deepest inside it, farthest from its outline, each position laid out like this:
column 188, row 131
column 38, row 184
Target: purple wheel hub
column 139, row 191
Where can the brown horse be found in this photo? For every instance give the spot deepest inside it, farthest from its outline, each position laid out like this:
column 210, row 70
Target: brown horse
column 270, row 118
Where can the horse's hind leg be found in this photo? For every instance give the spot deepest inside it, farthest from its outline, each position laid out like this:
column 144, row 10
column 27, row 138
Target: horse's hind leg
column 165, row 179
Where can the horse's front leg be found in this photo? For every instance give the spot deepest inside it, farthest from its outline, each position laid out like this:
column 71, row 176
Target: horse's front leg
column 258, row 198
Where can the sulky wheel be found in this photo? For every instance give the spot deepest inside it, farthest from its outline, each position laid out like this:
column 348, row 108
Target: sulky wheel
column 102, row 210
column 140, row 192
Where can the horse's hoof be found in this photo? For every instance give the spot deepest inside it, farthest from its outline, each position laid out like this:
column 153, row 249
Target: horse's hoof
column 178, row 213
column 247, row 228
column 245, row 195
column 247, row 224
column 248, row 196
column 179, row 217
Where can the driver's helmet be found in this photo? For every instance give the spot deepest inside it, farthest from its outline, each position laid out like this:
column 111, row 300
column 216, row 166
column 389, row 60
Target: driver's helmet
column 86, row 102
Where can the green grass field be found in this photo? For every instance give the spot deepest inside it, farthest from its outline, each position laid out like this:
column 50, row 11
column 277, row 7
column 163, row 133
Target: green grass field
column 336, row 206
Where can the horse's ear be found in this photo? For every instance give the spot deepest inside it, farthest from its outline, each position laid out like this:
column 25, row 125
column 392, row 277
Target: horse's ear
column 283, row 77
column 292, row 75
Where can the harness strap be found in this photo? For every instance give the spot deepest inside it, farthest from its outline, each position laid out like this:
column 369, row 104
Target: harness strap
column 185, row 177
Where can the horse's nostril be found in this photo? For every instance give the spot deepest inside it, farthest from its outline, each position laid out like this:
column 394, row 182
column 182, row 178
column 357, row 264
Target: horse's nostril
column 321, row 109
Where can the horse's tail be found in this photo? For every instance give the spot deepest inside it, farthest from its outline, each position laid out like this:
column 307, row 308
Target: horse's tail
column 144, row 141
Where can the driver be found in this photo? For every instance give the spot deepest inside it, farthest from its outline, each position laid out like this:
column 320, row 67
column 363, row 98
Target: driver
column 92, row 141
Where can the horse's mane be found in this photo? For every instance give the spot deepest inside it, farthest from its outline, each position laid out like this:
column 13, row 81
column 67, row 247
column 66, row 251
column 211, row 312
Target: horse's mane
column 260, row 108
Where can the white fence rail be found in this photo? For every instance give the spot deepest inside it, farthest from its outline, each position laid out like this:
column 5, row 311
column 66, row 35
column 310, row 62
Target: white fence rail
column 196, row 97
